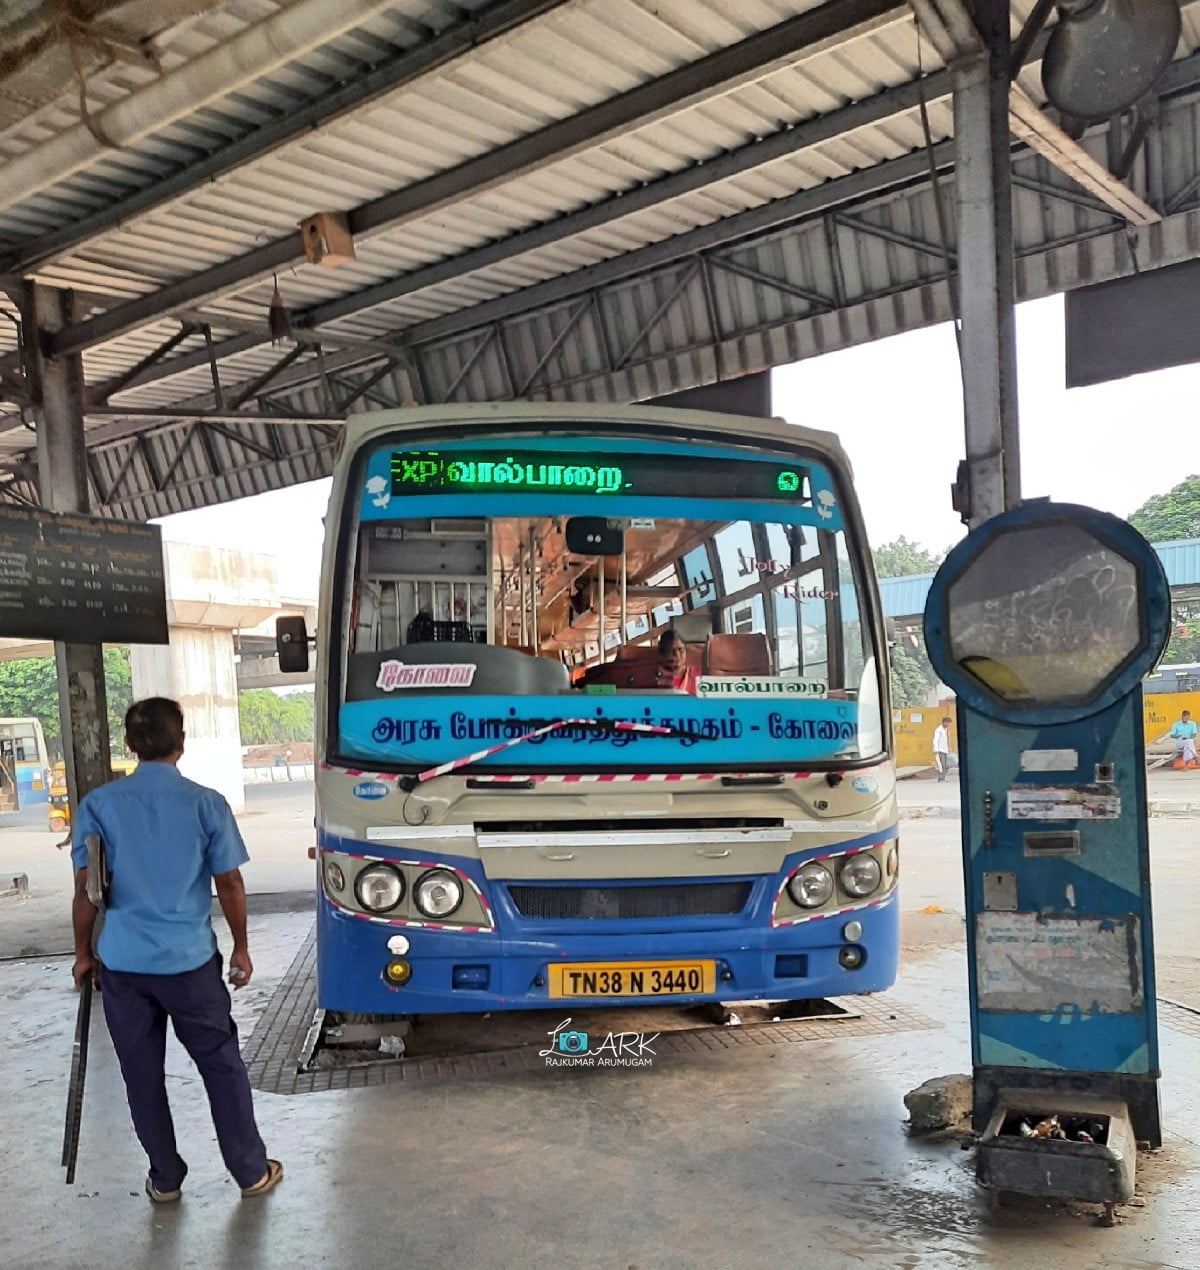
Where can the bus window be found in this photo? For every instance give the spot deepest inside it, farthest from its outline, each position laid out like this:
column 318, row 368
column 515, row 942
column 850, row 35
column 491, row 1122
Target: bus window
column 697, row 570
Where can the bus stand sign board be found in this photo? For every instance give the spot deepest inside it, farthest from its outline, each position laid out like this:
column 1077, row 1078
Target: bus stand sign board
column 1043, row 620
column 81, row 579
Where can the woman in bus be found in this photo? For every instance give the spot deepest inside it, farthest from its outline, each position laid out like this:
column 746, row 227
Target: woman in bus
column 672, row 658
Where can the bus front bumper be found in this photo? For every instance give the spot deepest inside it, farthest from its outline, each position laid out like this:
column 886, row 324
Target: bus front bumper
column 459, row 973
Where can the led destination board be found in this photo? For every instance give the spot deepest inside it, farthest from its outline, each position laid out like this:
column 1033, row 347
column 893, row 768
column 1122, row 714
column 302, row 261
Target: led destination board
column 572, row 472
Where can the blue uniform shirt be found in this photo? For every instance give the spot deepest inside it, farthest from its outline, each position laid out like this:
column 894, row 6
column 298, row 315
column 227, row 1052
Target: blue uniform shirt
column 165, row 838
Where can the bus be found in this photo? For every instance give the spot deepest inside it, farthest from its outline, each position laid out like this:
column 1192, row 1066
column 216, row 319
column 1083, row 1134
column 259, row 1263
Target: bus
column 517, row 808
column 24, row 764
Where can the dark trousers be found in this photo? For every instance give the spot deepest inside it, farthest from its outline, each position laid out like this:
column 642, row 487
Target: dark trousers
column 197, row 1003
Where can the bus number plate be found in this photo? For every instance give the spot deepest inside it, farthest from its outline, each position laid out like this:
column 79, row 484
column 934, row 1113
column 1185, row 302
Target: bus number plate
column 633, row 979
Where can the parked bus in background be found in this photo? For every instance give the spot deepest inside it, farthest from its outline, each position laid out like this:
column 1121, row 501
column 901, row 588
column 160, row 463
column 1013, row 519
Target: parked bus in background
column 516, row 807
column 24, row 764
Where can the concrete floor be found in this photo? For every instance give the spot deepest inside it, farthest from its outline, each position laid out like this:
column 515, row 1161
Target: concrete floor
column 780, row 1153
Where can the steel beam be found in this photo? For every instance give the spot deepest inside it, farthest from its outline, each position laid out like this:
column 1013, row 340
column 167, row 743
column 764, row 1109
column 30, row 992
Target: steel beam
column 470, row 33
column 695, row 82
column 990, row 478
column 57, row 384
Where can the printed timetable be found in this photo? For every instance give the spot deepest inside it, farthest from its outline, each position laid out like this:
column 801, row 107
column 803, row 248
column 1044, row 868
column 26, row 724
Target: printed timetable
column 81, row 579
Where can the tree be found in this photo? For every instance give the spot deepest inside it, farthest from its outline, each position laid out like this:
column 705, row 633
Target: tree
column 269, row 719
column 29, row 689
column 901, row 559
column 913, row 677
column 1175, row 514
column 1183, row 647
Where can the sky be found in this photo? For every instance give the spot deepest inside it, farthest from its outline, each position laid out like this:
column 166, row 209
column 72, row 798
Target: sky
column 897, row 405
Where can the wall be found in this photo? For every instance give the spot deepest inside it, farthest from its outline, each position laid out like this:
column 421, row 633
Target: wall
column 914, row 733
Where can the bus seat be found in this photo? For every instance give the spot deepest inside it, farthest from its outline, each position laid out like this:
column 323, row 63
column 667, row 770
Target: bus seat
column 747, row 654
column 637, row 652
column 627, row 674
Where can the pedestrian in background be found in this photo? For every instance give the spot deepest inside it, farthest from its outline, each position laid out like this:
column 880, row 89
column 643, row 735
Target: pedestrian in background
column 941, row 748
column 167, row 840
column 1184, row 735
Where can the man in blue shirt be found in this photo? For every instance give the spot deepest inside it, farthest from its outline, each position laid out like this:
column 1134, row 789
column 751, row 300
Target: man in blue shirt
column 1184, row 736
column 167, row 840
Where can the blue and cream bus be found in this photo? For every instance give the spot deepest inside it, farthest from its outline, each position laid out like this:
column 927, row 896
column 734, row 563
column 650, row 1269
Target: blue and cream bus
column 519, row 803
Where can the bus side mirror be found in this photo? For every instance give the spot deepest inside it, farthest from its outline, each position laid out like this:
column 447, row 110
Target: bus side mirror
column 291, row 643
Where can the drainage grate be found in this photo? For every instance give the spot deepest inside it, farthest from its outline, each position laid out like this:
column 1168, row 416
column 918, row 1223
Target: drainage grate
column 681, row 899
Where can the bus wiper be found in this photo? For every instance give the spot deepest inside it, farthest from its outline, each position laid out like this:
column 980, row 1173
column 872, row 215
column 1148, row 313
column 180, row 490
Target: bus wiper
column 542, row 727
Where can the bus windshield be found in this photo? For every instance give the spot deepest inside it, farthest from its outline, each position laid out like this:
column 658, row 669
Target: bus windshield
column 489, row 592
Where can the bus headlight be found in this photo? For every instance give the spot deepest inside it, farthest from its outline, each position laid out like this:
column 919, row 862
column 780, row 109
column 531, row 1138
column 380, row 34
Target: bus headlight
column 860, row 875
column 438, row 893
column 379, row 888
column 335, row 879
column 811, row 885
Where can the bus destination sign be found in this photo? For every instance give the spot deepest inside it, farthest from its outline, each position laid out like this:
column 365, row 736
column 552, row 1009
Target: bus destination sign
column 577, row 472
column 81, row 579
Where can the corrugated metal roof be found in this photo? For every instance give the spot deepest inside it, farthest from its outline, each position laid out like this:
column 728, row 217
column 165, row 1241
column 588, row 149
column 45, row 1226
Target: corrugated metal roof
column 633, row 303
column 905, row 597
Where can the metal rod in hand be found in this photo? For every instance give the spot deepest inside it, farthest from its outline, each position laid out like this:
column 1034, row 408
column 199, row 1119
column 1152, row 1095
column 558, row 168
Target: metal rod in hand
column 79, row 1053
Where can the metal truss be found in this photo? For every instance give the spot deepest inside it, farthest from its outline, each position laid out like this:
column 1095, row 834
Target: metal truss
column 855, row 258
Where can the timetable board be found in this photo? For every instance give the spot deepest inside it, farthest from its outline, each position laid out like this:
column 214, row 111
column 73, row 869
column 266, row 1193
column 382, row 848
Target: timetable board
column 81, row 579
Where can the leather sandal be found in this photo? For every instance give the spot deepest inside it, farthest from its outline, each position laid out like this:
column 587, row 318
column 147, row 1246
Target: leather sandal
column 162, row 1197
column 270, row 1180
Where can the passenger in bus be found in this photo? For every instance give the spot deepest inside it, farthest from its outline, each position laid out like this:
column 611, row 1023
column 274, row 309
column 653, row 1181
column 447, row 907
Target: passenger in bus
column 1184, row 736
column 672, row 657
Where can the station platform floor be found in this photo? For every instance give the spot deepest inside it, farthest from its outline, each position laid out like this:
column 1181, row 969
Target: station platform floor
column 782, row 1148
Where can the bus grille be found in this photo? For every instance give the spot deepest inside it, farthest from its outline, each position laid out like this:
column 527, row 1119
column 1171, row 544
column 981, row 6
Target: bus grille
column 687, row 899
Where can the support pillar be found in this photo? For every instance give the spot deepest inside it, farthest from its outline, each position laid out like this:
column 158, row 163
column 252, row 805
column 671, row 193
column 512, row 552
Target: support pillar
column 57, row 389
column 990, row 479
column 197, row 669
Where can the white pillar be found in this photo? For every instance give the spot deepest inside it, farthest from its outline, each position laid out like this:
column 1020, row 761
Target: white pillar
column 197, row 670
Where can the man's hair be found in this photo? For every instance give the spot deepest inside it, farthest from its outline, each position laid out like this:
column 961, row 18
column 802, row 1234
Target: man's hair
column 1187, row 714
column 154, row 728
column 947, row 719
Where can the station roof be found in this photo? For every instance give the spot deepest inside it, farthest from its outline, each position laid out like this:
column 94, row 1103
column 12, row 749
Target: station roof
column 554, row 199
column 904, row 598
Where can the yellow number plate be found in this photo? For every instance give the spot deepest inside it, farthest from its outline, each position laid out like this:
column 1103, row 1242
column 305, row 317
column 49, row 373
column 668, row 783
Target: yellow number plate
column 633, row 978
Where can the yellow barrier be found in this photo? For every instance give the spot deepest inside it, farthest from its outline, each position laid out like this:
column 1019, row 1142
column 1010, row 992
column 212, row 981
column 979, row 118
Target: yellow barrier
column 1160, row 710
column 914, row 733
column 914, row 727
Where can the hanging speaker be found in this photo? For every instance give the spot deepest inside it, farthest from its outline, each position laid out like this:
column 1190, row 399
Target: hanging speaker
column 1106, row 54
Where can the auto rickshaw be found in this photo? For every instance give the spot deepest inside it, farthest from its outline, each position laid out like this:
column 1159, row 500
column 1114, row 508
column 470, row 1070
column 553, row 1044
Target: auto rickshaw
column 58, row 813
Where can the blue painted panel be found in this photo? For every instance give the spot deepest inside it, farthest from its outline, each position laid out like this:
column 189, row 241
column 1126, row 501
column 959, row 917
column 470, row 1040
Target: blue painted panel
column 432, row 730
column 1108, row 879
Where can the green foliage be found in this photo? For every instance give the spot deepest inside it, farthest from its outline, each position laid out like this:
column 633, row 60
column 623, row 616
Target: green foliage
column 1184, row 645
column 901, row 559
column 1175, row 514
column 268, row 719
column 29, row 688
column 913, row 677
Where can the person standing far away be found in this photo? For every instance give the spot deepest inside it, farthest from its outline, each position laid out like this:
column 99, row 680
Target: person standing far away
column 1184, row 735
column 941, row 748
column 167, row 840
